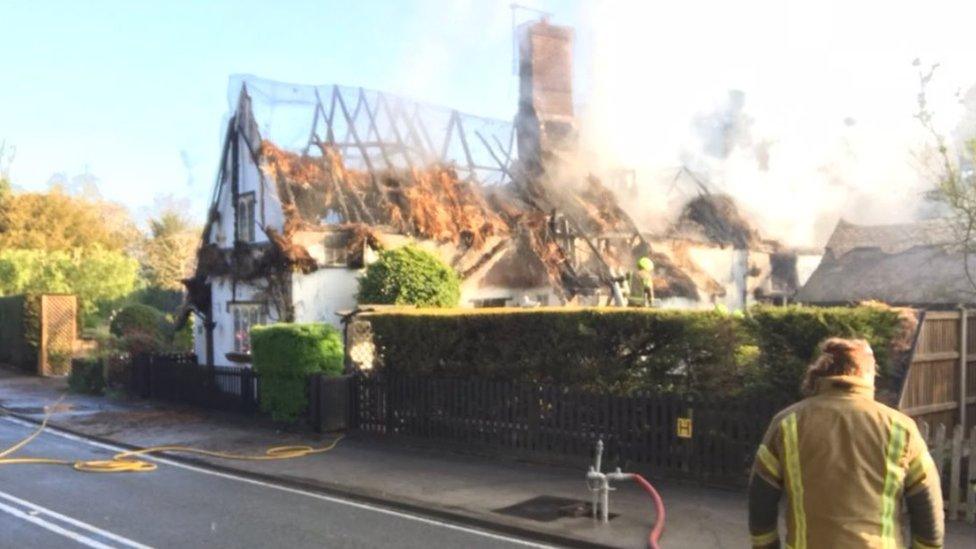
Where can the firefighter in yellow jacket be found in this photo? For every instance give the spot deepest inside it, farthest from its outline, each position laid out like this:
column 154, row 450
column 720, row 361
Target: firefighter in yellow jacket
column 844, row 463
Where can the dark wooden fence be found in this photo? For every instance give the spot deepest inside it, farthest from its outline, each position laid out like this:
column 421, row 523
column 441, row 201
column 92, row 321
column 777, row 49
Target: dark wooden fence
column 179, row 378
column 558, row 425
column 532, row 421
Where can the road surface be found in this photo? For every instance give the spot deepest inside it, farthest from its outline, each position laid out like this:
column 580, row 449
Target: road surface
column 183, row 506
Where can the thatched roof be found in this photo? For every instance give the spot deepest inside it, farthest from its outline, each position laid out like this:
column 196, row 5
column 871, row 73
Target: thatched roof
column 907, row 264
column 716, row 218
column 890, row 239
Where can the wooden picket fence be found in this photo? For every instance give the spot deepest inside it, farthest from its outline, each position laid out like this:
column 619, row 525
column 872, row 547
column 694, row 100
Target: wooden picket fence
column 955, row 456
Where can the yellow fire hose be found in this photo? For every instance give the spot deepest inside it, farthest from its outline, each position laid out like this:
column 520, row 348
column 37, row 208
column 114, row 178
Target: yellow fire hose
column 127, row 462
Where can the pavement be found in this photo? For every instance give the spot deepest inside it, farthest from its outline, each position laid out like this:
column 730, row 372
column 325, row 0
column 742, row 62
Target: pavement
column 466, row 491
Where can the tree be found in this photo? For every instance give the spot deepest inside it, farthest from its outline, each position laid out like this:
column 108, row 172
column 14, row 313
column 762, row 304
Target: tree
column 410, row 276
column 97, row 276
column 955, row 180
column 56, row 221
column 170, row 251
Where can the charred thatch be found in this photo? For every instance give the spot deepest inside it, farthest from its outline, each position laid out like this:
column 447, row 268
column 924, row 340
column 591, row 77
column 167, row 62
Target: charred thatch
column 430, row 202
column 716, row 218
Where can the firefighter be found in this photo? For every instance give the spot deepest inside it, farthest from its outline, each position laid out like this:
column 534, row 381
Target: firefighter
column 845, row 464
column 641, row 292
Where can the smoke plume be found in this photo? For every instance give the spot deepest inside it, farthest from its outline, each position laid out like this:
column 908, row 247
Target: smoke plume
column 795, row 110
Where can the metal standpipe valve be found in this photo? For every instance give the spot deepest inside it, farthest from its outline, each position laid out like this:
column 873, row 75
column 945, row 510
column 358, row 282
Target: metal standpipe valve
column 599, row 484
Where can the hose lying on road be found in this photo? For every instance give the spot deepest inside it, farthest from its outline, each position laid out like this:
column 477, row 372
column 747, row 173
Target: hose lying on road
column 127, row 462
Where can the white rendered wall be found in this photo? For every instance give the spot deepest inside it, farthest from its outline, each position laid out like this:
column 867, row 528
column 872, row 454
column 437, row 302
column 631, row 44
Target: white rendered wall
column 318, row 296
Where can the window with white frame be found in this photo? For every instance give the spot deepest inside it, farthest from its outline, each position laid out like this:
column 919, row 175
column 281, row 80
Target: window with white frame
column 246, row 315
column 245, row 217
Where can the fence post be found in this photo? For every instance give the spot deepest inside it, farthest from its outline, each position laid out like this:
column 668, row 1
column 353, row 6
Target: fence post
column 314, row 401
column 963, row 363
column 971, row 485
column 247, row 388
column 955, row 471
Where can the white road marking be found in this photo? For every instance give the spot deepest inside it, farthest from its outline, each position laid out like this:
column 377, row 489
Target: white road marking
column 50, row 526
column 36, row 509
column 365, row 506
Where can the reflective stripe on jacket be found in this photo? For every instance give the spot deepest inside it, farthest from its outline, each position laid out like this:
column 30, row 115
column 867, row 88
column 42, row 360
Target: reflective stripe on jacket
column 844, row 462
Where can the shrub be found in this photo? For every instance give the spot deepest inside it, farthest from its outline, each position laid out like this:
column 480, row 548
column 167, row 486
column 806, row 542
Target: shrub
column 138, row 318
column 142, row 329
column 626, row 350
column 183, row 338
column 284, row 354
column 409, row 276
column 87, row 376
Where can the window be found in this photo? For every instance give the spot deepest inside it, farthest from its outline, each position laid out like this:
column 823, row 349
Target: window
column 245, row 316
column 335, row 251
column 245, row 217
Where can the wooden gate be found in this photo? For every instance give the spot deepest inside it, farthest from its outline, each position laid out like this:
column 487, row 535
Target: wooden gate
column 940, row 386
column 58, row 327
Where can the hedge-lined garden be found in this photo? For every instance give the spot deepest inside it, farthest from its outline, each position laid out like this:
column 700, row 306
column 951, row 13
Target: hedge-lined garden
column 626, row 350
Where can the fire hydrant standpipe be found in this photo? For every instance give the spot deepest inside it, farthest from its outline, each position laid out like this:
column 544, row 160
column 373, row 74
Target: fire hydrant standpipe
column 599, row 483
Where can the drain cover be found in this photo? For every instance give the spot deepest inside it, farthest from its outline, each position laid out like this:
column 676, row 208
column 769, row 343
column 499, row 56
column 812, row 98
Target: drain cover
column 549, row 508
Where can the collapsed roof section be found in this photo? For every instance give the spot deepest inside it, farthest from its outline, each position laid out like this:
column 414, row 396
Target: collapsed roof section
column 372, row 165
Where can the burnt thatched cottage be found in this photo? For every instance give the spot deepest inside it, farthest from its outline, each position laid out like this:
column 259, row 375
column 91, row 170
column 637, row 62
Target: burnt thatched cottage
column 315, row 180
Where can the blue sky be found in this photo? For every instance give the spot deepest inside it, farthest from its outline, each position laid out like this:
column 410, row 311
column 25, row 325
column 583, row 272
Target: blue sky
column 133, row 91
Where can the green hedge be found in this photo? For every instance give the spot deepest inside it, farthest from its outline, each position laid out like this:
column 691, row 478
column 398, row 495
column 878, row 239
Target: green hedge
column 284, row 354
column 87, row 376
column 626, row 350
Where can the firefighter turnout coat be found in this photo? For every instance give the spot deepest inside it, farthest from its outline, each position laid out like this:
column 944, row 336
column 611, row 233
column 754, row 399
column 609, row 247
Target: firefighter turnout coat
column 844, row 463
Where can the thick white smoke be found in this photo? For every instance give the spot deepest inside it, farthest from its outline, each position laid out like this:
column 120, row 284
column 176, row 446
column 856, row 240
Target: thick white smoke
column 804, row 113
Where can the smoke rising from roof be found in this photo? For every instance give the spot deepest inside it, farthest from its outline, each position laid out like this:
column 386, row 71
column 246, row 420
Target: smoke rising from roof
column 804, row 113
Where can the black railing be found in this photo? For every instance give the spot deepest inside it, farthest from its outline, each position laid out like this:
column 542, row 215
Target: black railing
column 179, row 378
column 543, row 421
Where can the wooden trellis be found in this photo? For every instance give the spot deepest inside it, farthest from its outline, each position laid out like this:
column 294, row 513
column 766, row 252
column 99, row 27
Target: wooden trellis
column 58, row 331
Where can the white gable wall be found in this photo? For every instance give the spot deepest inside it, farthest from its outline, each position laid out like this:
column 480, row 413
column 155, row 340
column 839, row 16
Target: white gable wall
column 267, row 205
column 319, row 295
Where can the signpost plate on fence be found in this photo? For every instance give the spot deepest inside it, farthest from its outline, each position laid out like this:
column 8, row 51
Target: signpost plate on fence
column 684, row 427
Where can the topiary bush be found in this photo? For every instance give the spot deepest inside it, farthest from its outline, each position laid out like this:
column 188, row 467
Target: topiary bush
column 284, row 355
column 410, row 276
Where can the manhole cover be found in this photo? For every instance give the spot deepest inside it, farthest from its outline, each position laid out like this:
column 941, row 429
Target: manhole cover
column 549, row 508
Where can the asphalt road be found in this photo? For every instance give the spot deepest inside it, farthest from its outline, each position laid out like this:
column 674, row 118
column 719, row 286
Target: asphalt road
column 182, row 506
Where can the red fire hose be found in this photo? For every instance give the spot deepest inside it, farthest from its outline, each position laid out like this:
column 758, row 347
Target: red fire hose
column 655, row 535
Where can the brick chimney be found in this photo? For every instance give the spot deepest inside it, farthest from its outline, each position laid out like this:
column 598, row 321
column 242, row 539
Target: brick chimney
column 545, row 123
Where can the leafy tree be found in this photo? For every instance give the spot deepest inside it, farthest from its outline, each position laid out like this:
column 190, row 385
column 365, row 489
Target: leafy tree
column 170, row 251
column 96, row 275
column 410, row 276
column 56, row 221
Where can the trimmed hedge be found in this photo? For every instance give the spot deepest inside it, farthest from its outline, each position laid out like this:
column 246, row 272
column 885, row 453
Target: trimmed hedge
column 284, row 354
column 626, row 350
column 410, row 276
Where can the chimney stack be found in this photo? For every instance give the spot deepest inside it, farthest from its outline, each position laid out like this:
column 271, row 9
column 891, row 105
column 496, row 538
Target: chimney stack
column 545, row 123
